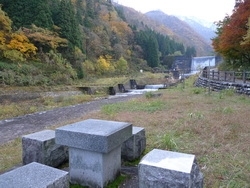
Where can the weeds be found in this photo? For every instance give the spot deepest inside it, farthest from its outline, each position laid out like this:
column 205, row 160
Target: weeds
column 167, row 142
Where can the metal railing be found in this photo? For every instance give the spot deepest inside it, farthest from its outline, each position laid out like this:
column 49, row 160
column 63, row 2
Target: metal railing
column 227, row 76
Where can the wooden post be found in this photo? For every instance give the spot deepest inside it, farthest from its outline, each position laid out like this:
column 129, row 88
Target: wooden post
column 233, row 76
column 244, row 77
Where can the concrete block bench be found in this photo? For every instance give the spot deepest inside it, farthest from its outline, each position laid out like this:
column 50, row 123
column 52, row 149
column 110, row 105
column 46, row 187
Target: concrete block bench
column 35, row 175
column 160, row 168
column 133, row 148
column 94, row 150
column 41, row 147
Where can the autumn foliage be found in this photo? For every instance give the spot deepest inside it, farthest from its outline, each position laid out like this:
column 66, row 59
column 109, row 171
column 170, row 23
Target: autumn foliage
column 14, row 45
column 233, row 41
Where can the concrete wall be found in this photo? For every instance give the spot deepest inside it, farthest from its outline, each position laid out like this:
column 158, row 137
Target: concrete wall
column 199, row 63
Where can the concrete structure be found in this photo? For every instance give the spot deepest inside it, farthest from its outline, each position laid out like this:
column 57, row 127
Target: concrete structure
column 133, row 148
column 35, row 175
column 94, row 150
column 40, row 147
column 166, row 169
column 199, row 63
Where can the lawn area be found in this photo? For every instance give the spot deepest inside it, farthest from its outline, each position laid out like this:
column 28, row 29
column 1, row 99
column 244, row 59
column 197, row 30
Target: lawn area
column 213, row 126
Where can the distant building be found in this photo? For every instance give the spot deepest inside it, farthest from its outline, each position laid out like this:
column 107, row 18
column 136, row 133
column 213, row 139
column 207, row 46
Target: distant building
column 195, row 64
column 182, row 63
column 199, row 63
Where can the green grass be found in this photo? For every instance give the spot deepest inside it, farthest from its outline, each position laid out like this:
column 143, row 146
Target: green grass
column 149, row 106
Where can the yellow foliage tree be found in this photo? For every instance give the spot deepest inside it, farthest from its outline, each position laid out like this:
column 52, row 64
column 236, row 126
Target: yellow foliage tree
column 5, row 28
column 121, row 28
column 13, row 46
column 5, row 22
column 21, row 43
column 104, row 65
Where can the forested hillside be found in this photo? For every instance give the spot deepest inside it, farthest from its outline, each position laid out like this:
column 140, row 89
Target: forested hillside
column 47, row 42
column 186, row 34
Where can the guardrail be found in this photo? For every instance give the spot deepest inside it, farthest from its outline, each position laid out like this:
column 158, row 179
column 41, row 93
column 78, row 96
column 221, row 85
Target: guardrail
column 218, row 80
column 227, row 76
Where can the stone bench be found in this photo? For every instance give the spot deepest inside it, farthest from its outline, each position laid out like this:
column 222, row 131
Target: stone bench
column 41, row 147
column 133, row 148
column 160, row 168
column 35, row 175
column 94, row 150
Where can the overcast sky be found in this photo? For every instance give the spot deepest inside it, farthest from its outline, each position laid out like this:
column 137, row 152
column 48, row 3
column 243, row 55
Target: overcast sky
column 209, row 10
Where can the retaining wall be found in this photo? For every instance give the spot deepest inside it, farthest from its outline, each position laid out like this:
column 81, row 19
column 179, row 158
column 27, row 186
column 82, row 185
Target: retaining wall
column 215, row 85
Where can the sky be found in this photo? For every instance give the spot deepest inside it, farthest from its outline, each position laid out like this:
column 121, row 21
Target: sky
column 208, row 10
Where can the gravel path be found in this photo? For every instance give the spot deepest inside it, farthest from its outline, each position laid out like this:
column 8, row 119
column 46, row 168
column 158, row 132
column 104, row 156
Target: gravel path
column 11, row 129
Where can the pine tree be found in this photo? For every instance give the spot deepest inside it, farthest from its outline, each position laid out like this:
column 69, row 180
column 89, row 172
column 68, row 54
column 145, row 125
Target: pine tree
column 68, row 23
column 152, row 52
column 24, row 13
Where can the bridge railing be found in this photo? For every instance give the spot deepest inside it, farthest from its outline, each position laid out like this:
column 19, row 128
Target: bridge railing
column 227, row 76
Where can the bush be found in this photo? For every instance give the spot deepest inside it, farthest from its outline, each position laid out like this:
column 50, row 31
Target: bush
column 36, row 73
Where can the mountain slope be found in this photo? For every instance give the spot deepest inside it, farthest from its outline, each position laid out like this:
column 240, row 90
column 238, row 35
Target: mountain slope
column 135, row 18
column 204, row 29
column 186, row 34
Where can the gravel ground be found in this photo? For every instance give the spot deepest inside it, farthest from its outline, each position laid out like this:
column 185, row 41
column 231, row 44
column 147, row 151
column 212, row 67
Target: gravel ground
column 13, row 128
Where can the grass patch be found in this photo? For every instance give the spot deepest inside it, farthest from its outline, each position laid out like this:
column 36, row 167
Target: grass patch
column 13, row 109
column 10, row 154
column 149, row 106
column 167, row 142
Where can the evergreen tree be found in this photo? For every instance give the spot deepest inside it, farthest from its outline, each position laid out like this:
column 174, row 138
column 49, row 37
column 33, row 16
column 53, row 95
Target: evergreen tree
column 54, row 6
column 89, row 13
column 80, row 11
column 190, row 52
column 43, row 15
column 68, row 23
column 28, row 12
column 152, row 52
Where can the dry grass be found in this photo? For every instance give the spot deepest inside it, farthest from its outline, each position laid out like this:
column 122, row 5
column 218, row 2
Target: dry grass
column 12, row 109
column 10, row 154
column 215, row 127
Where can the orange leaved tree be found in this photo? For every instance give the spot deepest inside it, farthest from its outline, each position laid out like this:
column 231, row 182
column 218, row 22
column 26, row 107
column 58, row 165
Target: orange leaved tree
column 231, row 34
